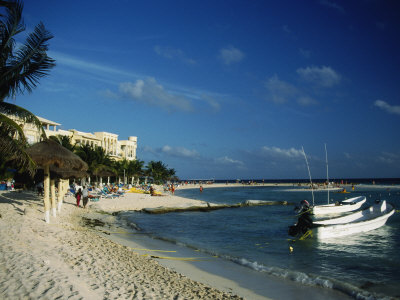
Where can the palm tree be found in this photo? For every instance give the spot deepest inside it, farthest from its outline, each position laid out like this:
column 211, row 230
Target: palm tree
column 172, row 175
column 159, row 171
column 98, row 160
column 121, row 167
column 135, row 168
column 20, row 70
column 65, row 141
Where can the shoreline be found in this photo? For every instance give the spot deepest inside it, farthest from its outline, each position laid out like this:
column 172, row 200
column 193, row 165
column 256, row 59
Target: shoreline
column 66, row 258
column 224, row 274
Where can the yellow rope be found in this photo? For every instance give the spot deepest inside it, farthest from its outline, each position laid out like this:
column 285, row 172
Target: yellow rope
column 305, row 235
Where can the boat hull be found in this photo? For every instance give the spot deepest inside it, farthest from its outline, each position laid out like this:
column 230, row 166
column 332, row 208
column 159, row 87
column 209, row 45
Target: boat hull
column 346, row 206
column 366, row 220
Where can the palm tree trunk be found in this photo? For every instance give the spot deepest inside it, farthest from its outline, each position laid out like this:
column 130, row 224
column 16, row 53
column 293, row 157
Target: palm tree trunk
column 53, row 196
column 46, row 183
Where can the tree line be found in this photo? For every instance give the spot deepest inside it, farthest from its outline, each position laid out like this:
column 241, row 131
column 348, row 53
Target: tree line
column 102, row 165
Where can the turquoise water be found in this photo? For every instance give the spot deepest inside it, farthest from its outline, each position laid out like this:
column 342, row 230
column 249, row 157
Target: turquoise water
column 361, row 265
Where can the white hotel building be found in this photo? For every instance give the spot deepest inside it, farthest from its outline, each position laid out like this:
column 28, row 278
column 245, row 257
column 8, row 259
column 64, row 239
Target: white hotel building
column 117, row 150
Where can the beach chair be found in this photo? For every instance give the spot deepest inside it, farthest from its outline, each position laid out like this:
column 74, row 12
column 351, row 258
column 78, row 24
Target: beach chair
column 106, row 195
column 71, row 192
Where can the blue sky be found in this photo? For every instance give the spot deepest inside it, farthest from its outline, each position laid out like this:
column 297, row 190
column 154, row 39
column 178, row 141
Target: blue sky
column 230, row 89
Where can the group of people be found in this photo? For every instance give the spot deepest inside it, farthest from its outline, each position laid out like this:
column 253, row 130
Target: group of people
column 8, row 185
column 170, row 187
column 82, row 193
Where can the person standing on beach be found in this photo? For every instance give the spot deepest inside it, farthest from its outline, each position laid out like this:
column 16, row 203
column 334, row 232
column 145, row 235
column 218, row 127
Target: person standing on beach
column 78, row 196
column 39, row 188
column 85, row 196
column 9, row 185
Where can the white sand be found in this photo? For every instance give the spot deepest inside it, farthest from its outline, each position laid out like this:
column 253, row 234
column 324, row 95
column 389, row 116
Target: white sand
column 132, row 201
column 63, row 260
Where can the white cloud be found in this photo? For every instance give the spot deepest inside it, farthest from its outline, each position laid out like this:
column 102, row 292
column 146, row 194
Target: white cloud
column 109, row 94
column 231, row 55
column 393, row 109
column 305, row 53
column 135, row 89
column 173, row 53
column 87, row 66
column 180, row 152
column 347, row 155
column 286, row 153
column 167, row 150
column 388, row 158
column 280, row 91
column 321, row 76
column 171, row 97
column 229, row 161
column 306, row 101
column 332, row 5
column 151, row 92
column 215, row 106
column 286, row 29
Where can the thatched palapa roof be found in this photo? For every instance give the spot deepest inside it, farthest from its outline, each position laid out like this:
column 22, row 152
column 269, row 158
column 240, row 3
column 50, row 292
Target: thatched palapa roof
column 51, row 153
column 66, row 173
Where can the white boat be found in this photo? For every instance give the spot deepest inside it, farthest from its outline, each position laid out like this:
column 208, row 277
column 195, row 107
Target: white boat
column 340, row 207
column 333, row 208
column 360, row 221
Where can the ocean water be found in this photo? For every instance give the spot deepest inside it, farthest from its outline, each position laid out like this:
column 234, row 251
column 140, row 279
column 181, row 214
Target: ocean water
column 364, row 266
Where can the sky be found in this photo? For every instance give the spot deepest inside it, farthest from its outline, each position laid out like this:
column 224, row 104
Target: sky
column 229, row 89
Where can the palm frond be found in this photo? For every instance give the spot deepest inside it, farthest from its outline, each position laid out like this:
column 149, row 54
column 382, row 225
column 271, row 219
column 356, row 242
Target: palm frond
column 10, row 128
column 21, row 113
column 32, row 59
column 13, row 149
column 31, row 62
column 11, row 26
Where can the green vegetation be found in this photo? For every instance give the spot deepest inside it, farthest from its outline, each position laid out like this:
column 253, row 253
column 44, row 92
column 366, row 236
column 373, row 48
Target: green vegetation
column 101, row 165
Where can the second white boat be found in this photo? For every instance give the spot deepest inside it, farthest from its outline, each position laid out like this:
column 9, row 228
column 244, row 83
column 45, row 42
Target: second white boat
column 344, row 206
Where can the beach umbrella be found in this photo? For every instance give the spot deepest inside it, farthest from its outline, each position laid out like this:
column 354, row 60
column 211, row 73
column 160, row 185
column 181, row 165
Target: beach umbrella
column 62, row 173
column 50, row 153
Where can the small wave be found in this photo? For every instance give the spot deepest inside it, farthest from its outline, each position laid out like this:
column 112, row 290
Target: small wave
column 126, row 223
column 311, row 280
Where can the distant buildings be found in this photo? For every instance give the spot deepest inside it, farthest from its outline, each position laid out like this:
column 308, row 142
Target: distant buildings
column 117, row 150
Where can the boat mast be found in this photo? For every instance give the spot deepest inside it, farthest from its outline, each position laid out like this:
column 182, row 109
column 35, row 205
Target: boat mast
column 309, row 174
column 327, row 177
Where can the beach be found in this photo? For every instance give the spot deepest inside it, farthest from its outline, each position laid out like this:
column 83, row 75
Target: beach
column 66, row 259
